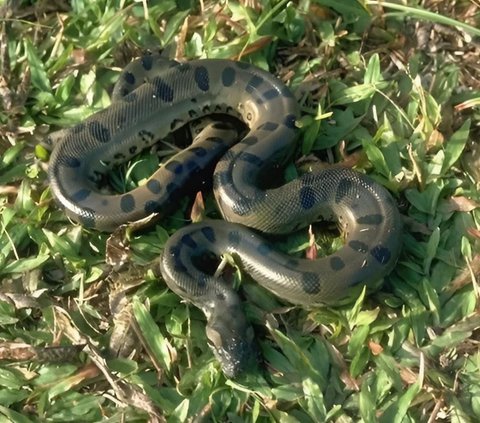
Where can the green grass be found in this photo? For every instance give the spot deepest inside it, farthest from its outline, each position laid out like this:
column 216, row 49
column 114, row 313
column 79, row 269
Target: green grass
column 370, row 96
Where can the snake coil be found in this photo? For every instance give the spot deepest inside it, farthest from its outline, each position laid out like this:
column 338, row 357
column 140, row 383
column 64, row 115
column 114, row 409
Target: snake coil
column 155, row 97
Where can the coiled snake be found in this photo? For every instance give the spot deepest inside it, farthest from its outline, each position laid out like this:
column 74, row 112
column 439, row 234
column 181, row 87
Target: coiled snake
column 155, row 97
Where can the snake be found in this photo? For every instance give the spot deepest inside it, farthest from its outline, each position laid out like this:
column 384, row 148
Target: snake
column 154, row 97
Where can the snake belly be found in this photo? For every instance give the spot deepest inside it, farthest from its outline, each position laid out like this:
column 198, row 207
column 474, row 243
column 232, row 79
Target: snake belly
column 153, row 98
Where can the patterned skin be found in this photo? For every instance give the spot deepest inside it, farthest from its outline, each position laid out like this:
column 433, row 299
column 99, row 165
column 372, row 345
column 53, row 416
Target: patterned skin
column 153, row 98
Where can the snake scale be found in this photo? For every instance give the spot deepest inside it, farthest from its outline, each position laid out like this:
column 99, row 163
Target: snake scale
column 154, row 97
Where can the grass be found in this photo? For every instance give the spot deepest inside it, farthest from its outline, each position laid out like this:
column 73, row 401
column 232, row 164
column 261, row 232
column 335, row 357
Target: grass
column 389, row 88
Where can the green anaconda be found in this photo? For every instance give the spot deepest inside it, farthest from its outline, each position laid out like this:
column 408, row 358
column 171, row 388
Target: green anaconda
column 155, row 97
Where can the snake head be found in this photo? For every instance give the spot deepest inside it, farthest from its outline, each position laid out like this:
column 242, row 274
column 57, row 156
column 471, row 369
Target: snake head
column 231, row 340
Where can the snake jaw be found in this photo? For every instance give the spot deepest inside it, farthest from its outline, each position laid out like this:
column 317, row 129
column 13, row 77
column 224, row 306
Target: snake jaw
column 231, row 341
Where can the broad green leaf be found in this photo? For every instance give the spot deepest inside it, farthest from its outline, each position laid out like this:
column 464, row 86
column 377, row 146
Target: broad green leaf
column 432, row 246
column 358, row 337
column 7, row 314
column 24, row 264
column 37, row 68
column 373, row 72
column 360, row 360
column 354, row 94
column 367, row 399
column 13, row 416
column 11, row 379
column 396, row 412
column 375, row 155
column 154, row 339
column 314, row 399
column 455, row 146
column 11, row 154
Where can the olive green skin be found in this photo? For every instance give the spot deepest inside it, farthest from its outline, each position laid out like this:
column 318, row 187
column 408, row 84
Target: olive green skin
column 153, row 98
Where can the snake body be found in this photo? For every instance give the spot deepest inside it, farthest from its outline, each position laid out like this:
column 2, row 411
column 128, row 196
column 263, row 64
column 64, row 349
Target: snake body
column 153, row 98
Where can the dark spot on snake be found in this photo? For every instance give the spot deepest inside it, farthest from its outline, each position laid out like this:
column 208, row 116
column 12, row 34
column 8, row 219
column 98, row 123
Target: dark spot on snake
column 177, row 262
column 381, row 254
column 127, row 203
column 87, row 218
column 147, row 62
column 268, row 126
column 222, row 125
column 192, row 166
column 359, row 246
column 208, row 233
column 370, row 219
column 125, row 91
column 336, row 263
column 250, row 158
column 99, row 132
column 228, row 76
column 198, row 151
column 193, row 100
column 250, row 140
column 176, row 123
column 174, row 251
column 343, row 190
column 220, row 296
column 286, row 92
column 70, row 161
column 119, row 156
column 154, row 186
column 152, row 207
column 98, row 175
column 201, row 78
column 162, row 90
column 188, row 241
column 307, row 197
column 289, row 121
column 133, row 149
column 253, row 84
column 192, row 113
column 174, row 166
column 146, row 136
column 171, row 187
column 81, row 195
column 234, row 238
column 264, row 249
column 270, row 94
column 129, row 78
column 310, row 282
column 206, row 109
column 216, row 140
